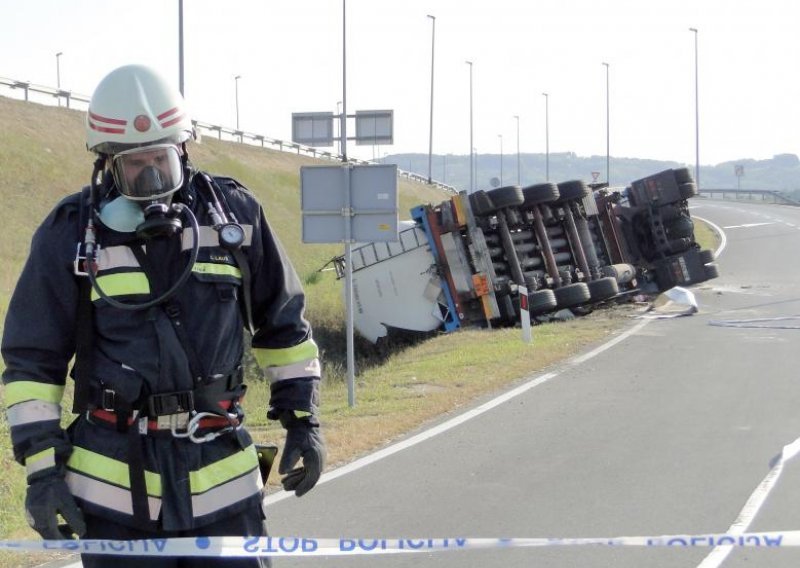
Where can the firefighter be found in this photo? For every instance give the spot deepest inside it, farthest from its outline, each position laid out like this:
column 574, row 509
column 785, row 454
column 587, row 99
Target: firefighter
column 171, row 265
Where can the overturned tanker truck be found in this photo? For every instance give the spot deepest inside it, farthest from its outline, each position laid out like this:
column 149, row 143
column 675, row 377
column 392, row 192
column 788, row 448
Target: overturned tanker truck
column 464, row 261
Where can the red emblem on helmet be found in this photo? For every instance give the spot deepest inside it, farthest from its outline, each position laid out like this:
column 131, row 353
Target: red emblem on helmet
column 141, row 123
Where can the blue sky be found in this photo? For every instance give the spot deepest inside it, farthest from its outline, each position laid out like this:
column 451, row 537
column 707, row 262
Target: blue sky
column 289, row 56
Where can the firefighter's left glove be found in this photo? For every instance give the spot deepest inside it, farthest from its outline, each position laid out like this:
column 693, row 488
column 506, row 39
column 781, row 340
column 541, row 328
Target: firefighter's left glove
column 48, row 496
column 303, row 440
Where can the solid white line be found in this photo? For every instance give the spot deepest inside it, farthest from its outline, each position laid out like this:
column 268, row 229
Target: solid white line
column 717, row 556
column 460, row 419
column 722, row 236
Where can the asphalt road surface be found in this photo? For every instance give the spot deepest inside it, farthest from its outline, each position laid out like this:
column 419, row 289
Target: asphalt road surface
column 672, row 430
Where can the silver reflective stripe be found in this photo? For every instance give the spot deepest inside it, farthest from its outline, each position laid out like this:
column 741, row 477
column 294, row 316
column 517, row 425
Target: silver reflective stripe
column 226, row 494
column 116, row 257
column 210, row 238
column 108, row 496
column 307, row 368
column 33, row 411
column 38, row 462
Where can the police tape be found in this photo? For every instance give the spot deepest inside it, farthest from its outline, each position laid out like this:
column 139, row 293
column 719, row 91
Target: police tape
column 292, row 546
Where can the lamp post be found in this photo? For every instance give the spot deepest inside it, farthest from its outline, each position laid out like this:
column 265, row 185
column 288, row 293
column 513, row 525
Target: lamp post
column 547, row 136
column 180, row 47
column 471, row 148
column 58, row 74
column 236, row 81
column 500, row 136
column 608, row 130
column 430, row 142
column 339, row 124
column 696, row 115
column 519, row 169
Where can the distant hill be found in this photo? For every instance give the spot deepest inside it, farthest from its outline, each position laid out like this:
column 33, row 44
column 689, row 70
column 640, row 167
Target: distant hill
column 780, row 173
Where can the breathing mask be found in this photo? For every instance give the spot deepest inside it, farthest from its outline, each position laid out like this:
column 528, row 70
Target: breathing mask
column 150, row 175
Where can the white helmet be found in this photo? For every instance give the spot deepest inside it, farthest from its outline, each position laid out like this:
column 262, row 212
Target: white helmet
column 134, row 106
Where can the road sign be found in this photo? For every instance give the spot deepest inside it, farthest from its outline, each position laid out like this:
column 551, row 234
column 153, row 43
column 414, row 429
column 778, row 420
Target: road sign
column 374, row 127
column 595, row 175
column 349, row 203
column 313, row 128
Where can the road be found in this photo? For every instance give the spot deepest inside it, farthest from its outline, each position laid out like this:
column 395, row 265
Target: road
column 668, row 432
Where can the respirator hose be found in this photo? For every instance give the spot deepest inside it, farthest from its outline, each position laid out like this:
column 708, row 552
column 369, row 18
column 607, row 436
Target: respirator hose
column 181, row 208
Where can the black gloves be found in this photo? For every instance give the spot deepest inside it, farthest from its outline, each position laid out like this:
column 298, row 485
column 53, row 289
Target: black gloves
column 47, row 496
column 303, row 440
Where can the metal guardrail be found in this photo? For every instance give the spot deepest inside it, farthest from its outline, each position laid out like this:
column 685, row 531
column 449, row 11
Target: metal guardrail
column 231, row 134
column 777, row 196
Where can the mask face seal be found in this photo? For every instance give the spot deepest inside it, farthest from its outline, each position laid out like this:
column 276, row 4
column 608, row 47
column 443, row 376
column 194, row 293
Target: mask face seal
column 148, row 173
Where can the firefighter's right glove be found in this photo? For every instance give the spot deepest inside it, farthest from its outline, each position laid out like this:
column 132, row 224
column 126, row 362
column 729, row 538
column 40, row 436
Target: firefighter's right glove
column 303, row 440
column 48, row 496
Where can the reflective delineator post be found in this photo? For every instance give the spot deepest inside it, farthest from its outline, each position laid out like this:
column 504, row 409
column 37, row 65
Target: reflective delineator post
column 525, row 315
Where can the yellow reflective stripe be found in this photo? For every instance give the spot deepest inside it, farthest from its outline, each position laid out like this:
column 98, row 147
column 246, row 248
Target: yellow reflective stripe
column 44, row 454
column 110, row 470
column 278, row 357
column 223, row 470
column 40, row 461
column 122, row 284
column 218, row 269
column 22, row 391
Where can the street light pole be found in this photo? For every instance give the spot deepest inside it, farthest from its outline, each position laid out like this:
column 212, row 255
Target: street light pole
column 339, row 124
column 236, row 81
column 471, row 148
column 180, row 47
column 501, row 158
column 58, row 74
column 430, row 143
column 547, row 136
column 608, row 130
column 696, row 115
column 519, row 169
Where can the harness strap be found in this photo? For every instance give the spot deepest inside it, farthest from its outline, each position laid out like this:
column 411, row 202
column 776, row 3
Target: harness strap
column 84, row 324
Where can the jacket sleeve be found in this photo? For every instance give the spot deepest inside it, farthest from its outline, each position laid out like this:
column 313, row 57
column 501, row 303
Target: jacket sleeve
column 282, row 343
column 39, row 341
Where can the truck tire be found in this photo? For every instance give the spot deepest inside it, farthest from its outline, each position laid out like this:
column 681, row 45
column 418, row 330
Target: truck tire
column 682, row 175
column 712, row 271
column 572, row 295
column 603, row 288
column 681, row 227
column 687, row 190
column 540, row 193
column 541, row 302
column 707, row 256
column 480, row 203
column 507, row 196
column 574, row 189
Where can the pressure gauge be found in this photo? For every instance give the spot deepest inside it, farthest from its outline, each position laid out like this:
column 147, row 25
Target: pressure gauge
column 231, row 236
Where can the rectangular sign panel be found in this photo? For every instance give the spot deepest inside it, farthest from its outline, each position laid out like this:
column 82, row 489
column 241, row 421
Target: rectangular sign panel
column 313, row 128
column 349, row 203
column 374, row 127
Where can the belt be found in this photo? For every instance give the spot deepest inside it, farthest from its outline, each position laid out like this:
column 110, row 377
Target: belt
column 168, row 422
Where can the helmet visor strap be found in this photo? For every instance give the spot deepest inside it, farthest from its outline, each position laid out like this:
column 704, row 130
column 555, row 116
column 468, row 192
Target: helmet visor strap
column 148, row 173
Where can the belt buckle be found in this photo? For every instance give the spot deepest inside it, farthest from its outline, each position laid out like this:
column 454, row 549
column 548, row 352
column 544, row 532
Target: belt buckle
column 179, row 421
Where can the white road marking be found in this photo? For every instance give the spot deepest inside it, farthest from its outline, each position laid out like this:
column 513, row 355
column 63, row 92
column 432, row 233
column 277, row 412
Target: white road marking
column 747, row 225
column 717, row 556
column 722, row 236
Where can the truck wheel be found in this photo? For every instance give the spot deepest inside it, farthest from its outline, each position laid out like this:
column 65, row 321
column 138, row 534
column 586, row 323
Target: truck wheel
column 712, row 271
column 569, row 190
column 508, row 196
column 540, row 193
column 682, row 175
column 572, row 295
column 687, row 190
column 541, row 302
column 681, row 227
column 603, row 289
column 707, row 256
column 480, row 203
